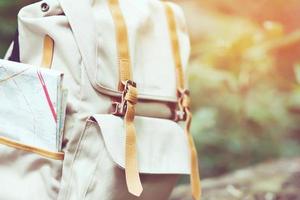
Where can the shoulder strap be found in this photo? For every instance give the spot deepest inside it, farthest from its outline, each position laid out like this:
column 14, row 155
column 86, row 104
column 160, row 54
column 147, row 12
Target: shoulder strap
column 125, row 108
column 183, row 112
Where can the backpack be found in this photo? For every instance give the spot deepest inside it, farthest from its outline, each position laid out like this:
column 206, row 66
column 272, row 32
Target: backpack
column 127, row 127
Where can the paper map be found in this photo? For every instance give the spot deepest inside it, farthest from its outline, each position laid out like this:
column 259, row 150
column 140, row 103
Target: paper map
column 32, row 105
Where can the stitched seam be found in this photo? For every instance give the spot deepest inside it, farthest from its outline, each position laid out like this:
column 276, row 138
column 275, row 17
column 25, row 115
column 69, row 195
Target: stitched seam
column 76, row 155
column 100, row 158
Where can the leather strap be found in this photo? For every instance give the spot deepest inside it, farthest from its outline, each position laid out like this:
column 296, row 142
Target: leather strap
column 175, row 46
column 24, row 147
column 47, row 52
column 122, row 43
column 129, row 99
column 131, row 164
column 184, row 102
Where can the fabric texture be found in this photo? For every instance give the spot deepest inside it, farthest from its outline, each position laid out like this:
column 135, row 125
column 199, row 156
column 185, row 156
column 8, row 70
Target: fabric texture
column 103, row 178
column 28, row 175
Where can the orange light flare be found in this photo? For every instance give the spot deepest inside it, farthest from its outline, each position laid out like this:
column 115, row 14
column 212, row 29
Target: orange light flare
column 274, row 37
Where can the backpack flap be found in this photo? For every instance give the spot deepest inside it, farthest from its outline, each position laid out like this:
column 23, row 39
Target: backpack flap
column 97, row 170
column 149, row 46
column 161, row 144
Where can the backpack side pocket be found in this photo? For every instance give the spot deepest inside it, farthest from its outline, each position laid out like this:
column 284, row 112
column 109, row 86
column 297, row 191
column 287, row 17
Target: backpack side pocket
column 28, row 172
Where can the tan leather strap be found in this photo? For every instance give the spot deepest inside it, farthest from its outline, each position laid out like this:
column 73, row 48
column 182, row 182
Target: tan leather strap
column 122, row 43
column 184, row 102
column 175, row 46
column 47, row 52
column 24, row 147
column 131, row 164
column 129, row 98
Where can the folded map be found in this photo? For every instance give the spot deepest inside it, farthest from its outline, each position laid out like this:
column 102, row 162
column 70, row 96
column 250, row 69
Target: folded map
column 32, row 105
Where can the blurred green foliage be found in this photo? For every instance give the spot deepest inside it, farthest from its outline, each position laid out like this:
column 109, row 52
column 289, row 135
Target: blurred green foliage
column 244, row 79
column 8, row 21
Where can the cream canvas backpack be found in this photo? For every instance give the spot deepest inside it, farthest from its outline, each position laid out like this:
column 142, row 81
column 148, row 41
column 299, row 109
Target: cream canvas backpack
column 127, row 127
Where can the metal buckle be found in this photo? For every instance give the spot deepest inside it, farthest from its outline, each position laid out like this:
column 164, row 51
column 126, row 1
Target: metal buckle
column 180, row 112
column 119, row 108
column 180, row 115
